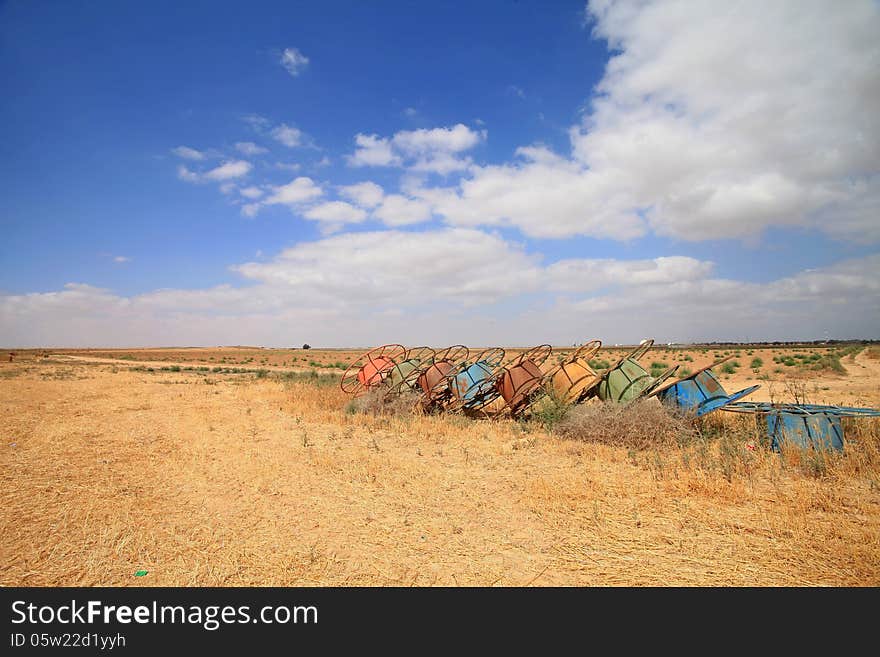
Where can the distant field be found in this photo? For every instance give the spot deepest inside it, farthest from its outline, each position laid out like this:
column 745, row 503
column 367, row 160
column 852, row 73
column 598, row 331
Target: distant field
column 238, row 466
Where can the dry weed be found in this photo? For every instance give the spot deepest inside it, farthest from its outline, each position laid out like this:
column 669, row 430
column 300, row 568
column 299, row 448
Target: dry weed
column 640, row 425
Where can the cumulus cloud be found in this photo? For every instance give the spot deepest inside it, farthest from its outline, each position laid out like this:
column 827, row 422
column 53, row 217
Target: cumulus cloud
column 733, row 120
column 708, row 123
column 229, row 170
column 436, row 150
column 250, row 149
column 400, row 268
column 335, row 213
column 188, row 153
column 293, row 61
column 542, row 195
column 257, row 122
column 223, row 173
column 250, row 210
column 297, row 191
column 184, row 173
column 251, row 192
column 290, row 137
column 579, row 275
column 397, row 210
column 372, row 151
column 451, row 140
column 450, row 285
column 365, row 194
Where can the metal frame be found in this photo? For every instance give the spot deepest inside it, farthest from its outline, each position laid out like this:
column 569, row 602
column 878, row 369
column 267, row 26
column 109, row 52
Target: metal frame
column 714, row 396
column 420, row 357
column 580, row 357
column 633, row 356
column 531, row 388
column 438, row 393
column 480, row 392
column 356, row 382
column 814, row 426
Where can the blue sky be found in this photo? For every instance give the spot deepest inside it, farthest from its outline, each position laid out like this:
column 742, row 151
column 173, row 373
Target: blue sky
column 184, row 174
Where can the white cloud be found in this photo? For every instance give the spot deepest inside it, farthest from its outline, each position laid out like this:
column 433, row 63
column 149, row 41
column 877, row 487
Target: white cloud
column 294, row 61
column 225, row 172
column 287, row 166
column 251, row 192
column 250, row 210
column 256, row 122
column 372, row 151
column 460, row 265
column 188, row 153
column 297, row 191
column 336, row 212
column 186, row 175
column 229, row 170
column 727, row 122
column 227, row 188
column 514, row 90
column 250, row 149
column 290, row 137
column 121, row 259
column 397, row 210
column 543, row 195
column 708, row 124
column 579, row 275
column 448, row 284
column 450, row 140
column 365, row 194
column 436, row 150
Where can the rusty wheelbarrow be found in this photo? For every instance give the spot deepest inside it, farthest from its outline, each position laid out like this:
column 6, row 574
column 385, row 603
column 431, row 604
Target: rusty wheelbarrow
column 433, row 378
column 520, row 380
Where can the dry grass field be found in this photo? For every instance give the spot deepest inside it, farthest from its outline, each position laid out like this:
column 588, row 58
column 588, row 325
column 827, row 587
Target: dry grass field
column 238, row 466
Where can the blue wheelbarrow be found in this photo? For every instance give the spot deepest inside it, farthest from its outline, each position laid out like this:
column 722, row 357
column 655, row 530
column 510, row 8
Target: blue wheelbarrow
column 700, row 393
column 805, row 425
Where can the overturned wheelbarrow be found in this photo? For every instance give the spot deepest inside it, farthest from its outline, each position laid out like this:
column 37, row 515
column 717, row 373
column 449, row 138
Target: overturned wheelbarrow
column 627, row 381
column 433, row 377
column 404, row 375
column 519, row 381
column 573, row 380
column 370, row 369
column 700, row 392
column 473, row 382
column 814, row 426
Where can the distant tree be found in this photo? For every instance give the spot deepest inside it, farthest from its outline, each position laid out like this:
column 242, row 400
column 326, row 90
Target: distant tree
column 306, row 346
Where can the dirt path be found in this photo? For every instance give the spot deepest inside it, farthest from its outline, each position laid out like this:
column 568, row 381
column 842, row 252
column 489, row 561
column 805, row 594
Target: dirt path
column 860, row 386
